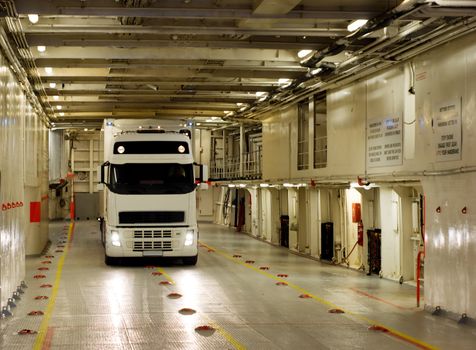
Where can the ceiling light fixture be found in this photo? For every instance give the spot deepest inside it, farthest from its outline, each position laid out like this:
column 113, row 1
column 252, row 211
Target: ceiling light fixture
column 59, row 107
column 56, row 97
column 41, row 48
column 48, row 70
column 357, row 24
column 304, row 53
column 33, row 18
column 52, row 85
column 61, row 114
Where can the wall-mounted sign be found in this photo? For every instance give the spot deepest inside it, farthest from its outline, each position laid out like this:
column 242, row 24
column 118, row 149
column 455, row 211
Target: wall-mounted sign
column 447, row 128
column 384, row 141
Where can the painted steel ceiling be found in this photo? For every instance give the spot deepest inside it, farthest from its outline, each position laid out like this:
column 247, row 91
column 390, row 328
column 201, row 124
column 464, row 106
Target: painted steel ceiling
column 210, row 60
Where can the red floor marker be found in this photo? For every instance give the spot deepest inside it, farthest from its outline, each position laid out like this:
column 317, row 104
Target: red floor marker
column 43, row 269
column 187, row 311
column 41, row 297
column 250, row 261
column 264, row 268
column 46, row 262
column 46, row 286
column 39, row 276
column 282, row 275
column 60, row 246
column 281, row 284
column 49, row 256
column 26, row 331
column 211, row 251
column 156, row 273
column 378, row 328
column 165, row 282
column 336, row 311
column 305, row 296
column 35, row 313
column 205, row 330
column 174, row 295
column 58, row 251
column 237, row 256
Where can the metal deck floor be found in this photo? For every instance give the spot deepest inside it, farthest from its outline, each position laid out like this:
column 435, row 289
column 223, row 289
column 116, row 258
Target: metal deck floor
column 235, row 290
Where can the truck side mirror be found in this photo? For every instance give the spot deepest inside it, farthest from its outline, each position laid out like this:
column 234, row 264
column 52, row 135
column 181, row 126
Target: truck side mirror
column 102, row 172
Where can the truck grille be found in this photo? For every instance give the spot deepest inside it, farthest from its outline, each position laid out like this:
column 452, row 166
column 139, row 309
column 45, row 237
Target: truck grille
column 152, row 245
column 150, row 217
column 153, row 234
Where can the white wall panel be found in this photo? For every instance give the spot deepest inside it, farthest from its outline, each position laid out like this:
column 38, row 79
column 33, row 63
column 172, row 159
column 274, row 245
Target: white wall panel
column 20, row 135
column 451, row 243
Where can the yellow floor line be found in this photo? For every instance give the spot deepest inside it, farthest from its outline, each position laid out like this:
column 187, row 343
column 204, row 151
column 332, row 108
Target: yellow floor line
column 325, row 302
column 166, row 275
column 229, row 338
column 40, row 339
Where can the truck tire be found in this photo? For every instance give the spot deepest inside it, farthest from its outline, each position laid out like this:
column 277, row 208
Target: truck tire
column 111, row 261
column 190, row 260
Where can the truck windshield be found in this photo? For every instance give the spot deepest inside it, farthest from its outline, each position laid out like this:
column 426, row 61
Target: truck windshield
column 164, row 178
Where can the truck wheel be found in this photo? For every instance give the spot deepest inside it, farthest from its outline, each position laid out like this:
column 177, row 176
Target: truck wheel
column 190, row 260
column 110, row 261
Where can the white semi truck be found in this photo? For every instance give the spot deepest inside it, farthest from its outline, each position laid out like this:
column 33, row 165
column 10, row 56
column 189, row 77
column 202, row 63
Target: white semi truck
column 149, row 185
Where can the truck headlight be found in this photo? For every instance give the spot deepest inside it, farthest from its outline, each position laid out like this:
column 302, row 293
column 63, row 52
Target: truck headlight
column 115, row 239
column 189, row 237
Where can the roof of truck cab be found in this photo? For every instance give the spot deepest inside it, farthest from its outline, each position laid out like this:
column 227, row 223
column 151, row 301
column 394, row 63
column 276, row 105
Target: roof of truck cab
column 166, row 136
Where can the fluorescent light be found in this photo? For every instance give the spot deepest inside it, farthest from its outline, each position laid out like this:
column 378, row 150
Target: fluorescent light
column 358, row 23
column 282, row 81
column 303, row 53
column 242, row 185
column 48, row 70
column 239, row 104
column 231, row 185
column 260, row 93
column 263, row 185
column 59, row 107
column 33, row 18
column 52, row 85
column 41, row 48
column 61, row 114
column 86, row 129
column 316, row 71
column 287, row 185
column 56, row 97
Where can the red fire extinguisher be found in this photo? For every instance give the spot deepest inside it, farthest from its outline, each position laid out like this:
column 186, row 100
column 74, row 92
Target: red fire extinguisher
column 360, row 233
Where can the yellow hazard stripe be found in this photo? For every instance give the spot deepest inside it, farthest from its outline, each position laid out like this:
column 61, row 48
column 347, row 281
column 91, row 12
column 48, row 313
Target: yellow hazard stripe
column 166, row 275
column 323, row 301
column 40, row 339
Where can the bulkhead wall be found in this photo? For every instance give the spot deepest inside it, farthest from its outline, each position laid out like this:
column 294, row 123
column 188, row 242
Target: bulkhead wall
column 23, row 182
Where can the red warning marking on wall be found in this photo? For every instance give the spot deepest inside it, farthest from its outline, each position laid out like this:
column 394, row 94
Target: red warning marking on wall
column 305, row 296
column 11, row 205
column 27, row 331
column 336, row 311
column 174, row 295
column 281, row 284
column 39, row 276
column 41, row 297
column 43, row 269
column 46, row 262
column 237, row 256
column 282, row 275
column 35, row 211
column 165, row 282
column 35, row 313
column 46, row 286
column 264, row 268
column 378, row 328
column 250, row 261
column 156, row 273
column 187, row 311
